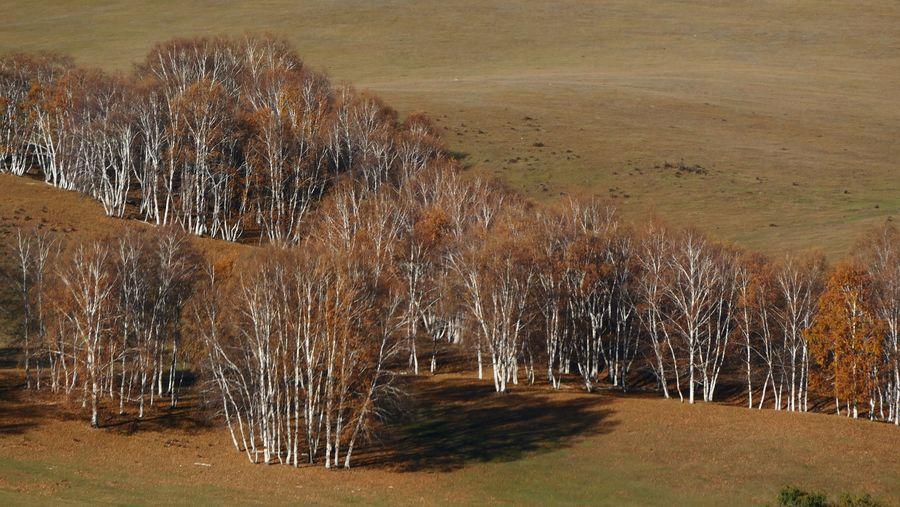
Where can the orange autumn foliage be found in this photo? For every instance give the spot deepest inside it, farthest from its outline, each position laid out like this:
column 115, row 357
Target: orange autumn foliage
column 845, row 338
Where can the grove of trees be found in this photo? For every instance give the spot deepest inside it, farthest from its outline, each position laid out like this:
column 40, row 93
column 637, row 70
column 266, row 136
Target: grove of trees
column 377, row 254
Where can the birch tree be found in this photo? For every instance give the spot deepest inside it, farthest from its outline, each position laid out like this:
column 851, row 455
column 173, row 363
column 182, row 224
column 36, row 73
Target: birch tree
column 555, row 237
column 656, row 276
column 799, row 282
column 691, row 296
column 879, row 253
column 87, row 311
column 23, row 78
column 846, row 339
column 497, row 280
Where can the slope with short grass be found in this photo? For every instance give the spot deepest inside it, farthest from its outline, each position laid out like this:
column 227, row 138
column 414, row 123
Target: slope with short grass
column 462, row 444
column 773, row 124
column 790, row 108
column 458, row 441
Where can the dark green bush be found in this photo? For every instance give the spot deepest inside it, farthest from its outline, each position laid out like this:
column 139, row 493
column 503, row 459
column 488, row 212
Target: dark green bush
column 864, row 500
column 792, row 496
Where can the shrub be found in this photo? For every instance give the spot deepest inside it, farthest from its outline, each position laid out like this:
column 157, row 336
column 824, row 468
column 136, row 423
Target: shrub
column 792, row 496
column 864, row 500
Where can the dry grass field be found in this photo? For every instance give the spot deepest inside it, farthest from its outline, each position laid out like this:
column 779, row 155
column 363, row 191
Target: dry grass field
column 785, row 114
column 459, row 442
column 790, row 107
column 467, row 446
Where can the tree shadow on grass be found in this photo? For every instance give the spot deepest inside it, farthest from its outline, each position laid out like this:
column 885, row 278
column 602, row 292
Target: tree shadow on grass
column 456, row 422
column 22, row 409
column 9, row 359
column 185, row 417
column 17, row 414
column 189, row 415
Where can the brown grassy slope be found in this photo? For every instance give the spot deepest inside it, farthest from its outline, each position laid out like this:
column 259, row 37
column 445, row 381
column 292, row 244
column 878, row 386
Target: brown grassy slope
column 791, row 106
column 463, row 445
column 460, row 443
column 26, row 203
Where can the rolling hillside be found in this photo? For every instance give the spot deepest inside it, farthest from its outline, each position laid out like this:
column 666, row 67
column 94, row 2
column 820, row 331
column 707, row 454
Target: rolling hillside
column 459, row 442
column 788, row 110
column 775, row 125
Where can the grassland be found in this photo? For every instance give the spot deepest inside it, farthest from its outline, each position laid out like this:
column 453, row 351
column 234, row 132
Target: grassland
column 459, row 443
column 466, row 446
column 791, row 107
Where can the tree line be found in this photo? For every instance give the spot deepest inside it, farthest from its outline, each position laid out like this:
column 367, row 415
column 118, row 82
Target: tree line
column 231, row 138
column 392, row 258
